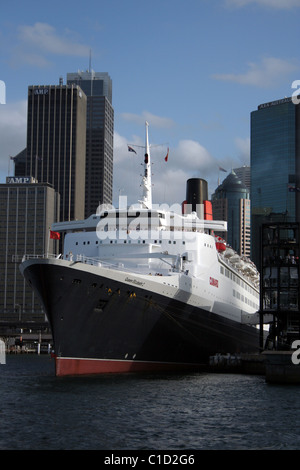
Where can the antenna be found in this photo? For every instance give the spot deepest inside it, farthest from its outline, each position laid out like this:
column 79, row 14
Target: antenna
column 90, row 71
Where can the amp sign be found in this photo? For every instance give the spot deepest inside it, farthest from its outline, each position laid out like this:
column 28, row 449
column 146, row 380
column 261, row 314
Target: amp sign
column 19, row 180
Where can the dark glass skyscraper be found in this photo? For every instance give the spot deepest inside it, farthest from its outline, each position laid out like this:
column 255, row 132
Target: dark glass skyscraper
column 99, row 137
column 275, row 166
column 56, row 140
column 26, row 212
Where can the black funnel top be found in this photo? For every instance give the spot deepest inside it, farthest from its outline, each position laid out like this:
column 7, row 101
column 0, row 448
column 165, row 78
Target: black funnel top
column 196, row 192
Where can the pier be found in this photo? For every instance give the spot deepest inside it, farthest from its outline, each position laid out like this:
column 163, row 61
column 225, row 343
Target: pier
column 22, row 337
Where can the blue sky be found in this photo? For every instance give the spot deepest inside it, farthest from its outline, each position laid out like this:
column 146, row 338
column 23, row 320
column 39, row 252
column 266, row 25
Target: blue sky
column 195, row 69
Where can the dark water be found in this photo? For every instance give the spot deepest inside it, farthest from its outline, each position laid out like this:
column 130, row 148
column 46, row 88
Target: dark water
column 128, row 412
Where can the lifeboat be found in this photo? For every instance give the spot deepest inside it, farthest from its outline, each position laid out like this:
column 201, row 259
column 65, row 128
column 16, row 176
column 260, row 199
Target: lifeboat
column 220, row 244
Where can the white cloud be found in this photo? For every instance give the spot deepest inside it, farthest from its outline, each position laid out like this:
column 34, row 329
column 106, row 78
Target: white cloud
column 38, row 41
column 45, row 37
column 243, row 147
column 13, row 125
column 268, row 73
column 188, row 160
column 277, row 4
column 156, row 121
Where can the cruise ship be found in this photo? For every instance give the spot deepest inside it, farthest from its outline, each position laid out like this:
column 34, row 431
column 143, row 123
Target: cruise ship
column 146, row 288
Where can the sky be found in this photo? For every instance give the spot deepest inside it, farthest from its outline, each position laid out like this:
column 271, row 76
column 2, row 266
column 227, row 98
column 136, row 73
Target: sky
column 194, row 69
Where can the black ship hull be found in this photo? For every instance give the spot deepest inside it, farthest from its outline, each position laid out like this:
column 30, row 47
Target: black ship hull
column 101, row 324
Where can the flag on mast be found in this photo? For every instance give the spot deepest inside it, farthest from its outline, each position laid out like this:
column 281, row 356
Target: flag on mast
column 130, row 149
column 167, row 156
column 54, row 235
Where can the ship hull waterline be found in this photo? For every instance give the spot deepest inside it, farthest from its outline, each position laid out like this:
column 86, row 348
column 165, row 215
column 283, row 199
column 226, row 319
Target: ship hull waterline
column 104, row 321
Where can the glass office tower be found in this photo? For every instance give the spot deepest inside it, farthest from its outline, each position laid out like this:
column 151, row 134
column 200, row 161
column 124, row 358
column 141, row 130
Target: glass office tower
column 231, row 202
column 99, row 137
column 275, row 181
column 27, row 210
column 56, row 141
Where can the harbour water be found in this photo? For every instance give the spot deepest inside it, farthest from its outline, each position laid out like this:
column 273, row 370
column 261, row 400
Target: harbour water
column 200, row 411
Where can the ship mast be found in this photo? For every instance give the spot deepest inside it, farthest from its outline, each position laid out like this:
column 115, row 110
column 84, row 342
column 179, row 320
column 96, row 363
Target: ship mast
column 146, row 178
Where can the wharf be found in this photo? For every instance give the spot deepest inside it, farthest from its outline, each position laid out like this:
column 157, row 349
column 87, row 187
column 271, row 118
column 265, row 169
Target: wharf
column 278, row 367
column 238, row 363
column 282, row 367
column 28, row 343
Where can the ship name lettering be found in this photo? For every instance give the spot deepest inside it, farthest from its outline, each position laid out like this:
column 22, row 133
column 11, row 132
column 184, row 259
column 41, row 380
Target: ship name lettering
column 134, row 281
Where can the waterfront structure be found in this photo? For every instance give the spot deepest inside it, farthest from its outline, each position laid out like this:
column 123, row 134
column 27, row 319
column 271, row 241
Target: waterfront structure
column 99, row 137
column 275, row 166
column 231, row 202
column 279, row 292
column 27, row 210
column 56, row 139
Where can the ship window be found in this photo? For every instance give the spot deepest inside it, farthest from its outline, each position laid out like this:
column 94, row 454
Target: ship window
column 76, row 243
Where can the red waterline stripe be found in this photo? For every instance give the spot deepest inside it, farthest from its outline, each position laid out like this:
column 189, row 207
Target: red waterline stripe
column 71, row 366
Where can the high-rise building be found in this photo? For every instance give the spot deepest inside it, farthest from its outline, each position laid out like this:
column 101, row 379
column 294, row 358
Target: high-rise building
column 275, row 166
column 56, row 141
column 99, row 137
column 244, row 175
column 231, row 202
column 27, row 210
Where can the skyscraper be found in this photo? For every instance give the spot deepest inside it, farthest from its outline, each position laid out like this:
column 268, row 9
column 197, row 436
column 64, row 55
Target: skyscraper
column 275, row 166
column 26, row 212
column 56, row 140
column 244, row 175
column 231, row 202
column 99, row 137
